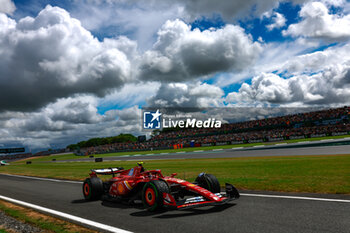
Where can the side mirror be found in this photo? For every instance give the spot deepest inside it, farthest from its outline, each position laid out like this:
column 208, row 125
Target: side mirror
column 173, row 174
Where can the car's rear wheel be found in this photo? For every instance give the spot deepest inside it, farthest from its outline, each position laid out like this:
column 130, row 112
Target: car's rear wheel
column 209, row 182
column 92, row 188
column 152, row 194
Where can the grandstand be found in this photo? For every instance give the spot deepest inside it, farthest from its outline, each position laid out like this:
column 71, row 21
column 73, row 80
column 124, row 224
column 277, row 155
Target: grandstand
column 16, row 156
column 322, row 123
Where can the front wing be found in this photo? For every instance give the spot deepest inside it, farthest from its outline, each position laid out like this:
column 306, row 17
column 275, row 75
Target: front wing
column 199, row 201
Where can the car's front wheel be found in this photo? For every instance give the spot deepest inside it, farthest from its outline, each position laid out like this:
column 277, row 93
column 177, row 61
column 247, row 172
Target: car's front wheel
column 209, row 182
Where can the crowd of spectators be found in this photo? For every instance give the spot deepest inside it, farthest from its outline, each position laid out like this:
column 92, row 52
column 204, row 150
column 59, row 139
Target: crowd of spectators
column 311, row 124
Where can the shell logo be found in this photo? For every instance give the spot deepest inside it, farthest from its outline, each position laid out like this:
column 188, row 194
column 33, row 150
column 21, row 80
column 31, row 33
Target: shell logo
column 120, row 188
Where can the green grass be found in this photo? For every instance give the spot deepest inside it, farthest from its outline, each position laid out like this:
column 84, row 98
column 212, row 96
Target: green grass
column 3, row 231
column 44, row 224
column 189, row 149
column 315, row 174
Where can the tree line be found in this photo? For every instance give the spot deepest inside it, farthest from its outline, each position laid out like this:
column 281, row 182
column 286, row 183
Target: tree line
column 103, row 141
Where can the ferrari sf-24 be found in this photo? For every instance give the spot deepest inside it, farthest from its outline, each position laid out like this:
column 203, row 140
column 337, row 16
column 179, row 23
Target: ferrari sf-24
column 155, row 190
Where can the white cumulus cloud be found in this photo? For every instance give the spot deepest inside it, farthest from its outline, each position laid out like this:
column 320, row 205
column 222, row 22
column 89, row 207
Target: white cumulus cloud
column 278, row 21
column 7, row 6
column 318, row 22
column 52, row 56
column 317, row 61
column 329, row 87
column 229, row 10
column 68, row 120
column 187, row 95
column 181, row 53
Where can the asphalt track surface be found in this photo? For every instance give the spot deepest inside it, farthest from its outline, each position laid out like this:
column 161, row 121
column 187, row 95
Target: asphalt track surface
column 247, row 214
column 231, row 153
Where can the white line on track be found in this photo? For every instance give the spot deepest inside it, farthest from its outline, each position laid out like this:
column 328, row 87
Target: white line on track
column 327, row 140
column 198, row 151
column 259, row 146
column 280, row 144
column 180, row 152
column 164, row 153
column 217, row 149
column 295, row 197
column 66, row 216
column 47, row 179
column 304, row 142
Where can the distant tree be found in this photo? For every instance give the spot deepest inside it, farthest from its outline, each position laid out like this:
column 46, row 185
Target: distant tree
column 103, row 141
column 72, row 147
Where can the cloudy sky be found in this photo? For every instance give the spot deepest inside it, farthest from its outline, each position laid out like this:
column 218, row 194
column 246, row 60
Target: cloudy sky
column 72, row 70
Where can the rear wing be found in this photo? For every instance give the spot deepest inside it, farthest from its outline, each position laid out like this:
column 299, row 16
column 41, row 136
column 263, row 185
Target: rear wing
column 107, row 171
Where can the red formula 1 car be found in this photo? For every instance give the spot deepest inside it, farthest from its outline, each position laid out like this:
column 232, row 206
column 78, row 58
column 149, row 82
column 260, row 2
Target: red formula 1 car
column 155, row 190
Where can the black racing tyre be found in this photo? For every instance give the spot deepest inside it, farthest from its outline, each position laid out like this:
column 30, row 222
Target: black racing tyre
column 209, row 182
column 152, row 194
column 93, row 188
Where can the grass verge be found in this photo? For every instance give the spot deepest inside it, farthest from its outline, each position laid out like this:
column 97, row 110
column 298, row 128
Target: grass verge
column 44, row 222
column 314, row 174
